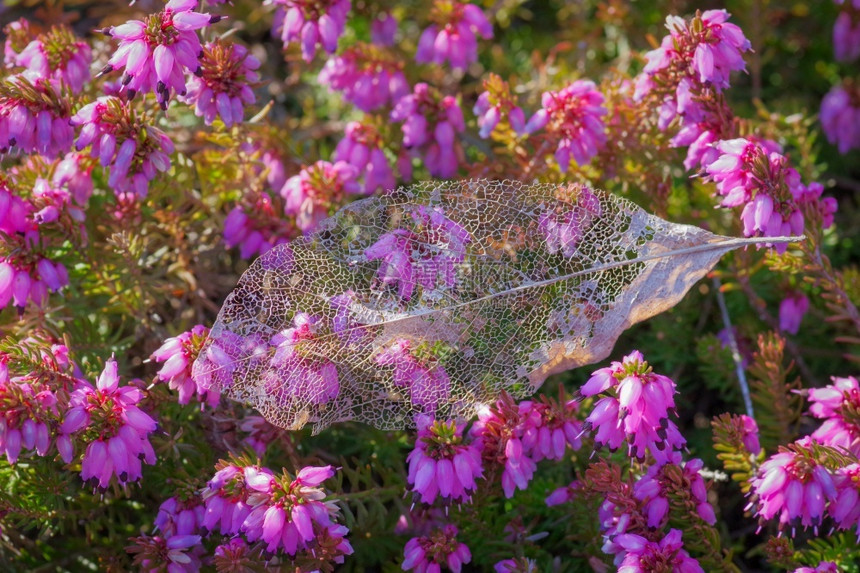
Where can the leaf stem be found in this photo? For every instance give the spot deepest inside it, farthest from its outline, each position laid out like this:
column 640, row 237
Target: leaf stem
column 733, row 346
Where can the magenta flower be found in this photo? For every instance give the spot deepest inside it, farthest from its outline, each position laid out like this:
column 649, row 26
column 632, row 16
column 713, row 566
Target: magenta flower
column 258, row 433
column 441, row 464
column 548, row 427
column 176, row 554
column 363, row 148
column 311, row 23
column 28, row 412
column 452, row 36
column 636, row 410
column 496, row 105
column 74, row 173
column 439, row 548
column 846, row 32
column 837, row 404
column 563, row 495
column 422, row 257
column 18, row 36
column 178, row 354
column 428, row 383
column 117, row 429
column 257, row 224
column 840, row 117
column 845, row 508
column 520, row 565
column 157, row 53
column 368, row 76
column 794, row 486
column 642, row 556
column 58, row 56
column 791, row 311
column 562, row 234
column 34, row 116
column 750, row 434
column 135, row 151
column 317, row 190
column 653, row 488
column 573, row 117
column 299, row 378
column 180, row 516
column 430, row 125
column 222, row 85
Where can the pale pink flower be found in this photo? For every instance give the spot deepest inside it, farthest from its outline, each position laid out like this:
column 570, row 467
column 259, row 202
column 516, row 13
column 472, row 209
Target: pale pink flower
column 58, row 56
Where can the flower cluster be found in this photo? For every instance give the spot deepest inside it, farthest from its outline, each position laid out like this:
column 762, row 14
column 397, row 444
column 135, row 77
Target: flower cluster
column 222, row 85
column 838, row 404
column 34, row 116
column 662, row 481
column 257, row 224
column 362, row 147
column 57, row 56
column 311, row 195
column 840, row 116
column 452, row 36
column 134, row 150
column 791, row 311
column 156, row 53
column 367, row 75
column 846, row 31
column 517, row 436
column 573, row 117
column 431, row 123
column 311, row 22
column 418, row 371
column 425, row 255
column 442, row 464
column 794, row 486
column 116, row 431
column 178, row 354
column 635, row 409
column 496, row 105
column 639, row 554
column 439, row 548
column 685, row 75
column 288, row 514
column 757, row 176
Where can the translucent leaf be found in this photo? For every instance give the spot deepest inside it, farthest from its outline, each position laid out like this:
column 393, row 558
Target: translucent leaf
column 436, row 298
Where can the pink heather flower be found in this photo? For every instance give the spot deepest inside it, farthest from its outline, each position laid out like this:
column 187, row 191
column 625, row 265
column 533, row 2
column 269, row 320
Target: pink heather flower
column 58, row 56
column 822, row 567
column 845, row 508
column 176, row 554
column 178, row 354
column 496, row 105
column 826, row 207
column 791, row 311
column 222, row 85
column 501, row 430
column 840, row 117
column 653, row 489
column 846, row 33
column 28, row 412
column 750, row 435
column 563, row 495
column 562, row 234
column 383, row 29
column 257, row 225
column 317, row 190
column 134, row 150
column 837, row 404
column 430, row 126
column 156, row 53
column 311, row 22
column 642, row 556
column 74, row 173
column 367, row 75
column 424, row 255
column 636, row 411
column 298, row 377
column 34, row 116
column 548, row 427
column 441, row 464
column 118, row 429
column 794, row 486
column 363, row 148
column 573, row 117
column 440, row 548
column 18, row 36
column 286, row 513
column 750, row 174
column 180, row 517
column 452, row 36
column 428, row 384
